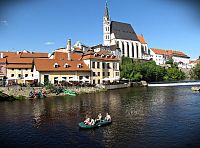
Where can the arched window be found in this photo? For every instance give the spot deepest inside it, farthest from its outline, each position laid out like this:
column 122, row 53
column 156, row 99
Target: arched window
column 128, row 50
column 123, row 48
column 117, row 44
column 137, row 51
column 133, row 50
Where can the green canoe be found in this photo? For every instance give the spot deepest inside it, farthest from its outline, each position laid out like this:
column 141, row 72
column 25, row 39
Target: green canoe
column 98, row 124
column 70, row 93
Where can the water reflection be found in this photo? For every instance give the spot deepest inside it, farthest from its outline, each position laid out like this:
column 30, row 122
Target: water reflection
column 151, row 117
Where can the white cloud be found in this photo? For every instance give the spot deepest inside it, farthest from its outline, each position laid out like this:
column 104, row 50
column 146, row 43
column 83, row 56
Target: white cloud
column 49, row 43
column 4, row 22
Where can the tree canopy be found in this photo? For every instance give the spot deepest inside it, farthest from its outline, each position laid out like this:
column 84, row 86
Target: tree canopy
column 148, row 71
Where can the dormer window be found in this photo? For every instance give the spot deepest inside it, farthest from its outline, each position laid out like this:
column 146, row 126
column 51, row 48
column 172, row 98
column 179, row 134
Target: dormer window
column 66, row 65
column 95, row 54
column 112, row 56
column 79, row 66
column 56, row 65
column 107, row 56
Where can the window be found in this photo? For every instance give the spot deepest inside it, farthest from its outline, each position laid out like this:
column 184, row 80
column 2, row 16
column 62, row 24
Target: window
column 99, row 81
column 12, row 69
column 132, row 50
column 55, row 80
column 123, row 48
column 64, row 78
column 56, row 65
column 98, row 65
column 128, row 49
column 32, row 75
column 103, row 65
column 108, row 65
column 26, row 75
column 117, row 73
column 26, row 69
column 66, row 65
column 94, row 74
column 98, row 73
column 87, row 77
column 12, row 75
column 93, row 64
column 108, row 74
column 103, row 74
column 19, row 68
column 80, row 77
column 94, row 82
column 117, row 44
column 137, row 51
column 19, row 75
column 79, row 66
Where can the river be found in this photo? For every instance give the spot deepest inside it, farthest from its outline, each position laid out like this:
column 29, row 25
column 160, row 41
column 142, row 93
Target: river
column 142, row 117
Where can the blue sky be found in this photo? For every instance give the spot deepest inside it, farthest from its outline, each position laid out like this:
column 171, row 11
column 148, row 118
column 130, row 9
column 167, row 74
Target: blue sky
column 45, row 25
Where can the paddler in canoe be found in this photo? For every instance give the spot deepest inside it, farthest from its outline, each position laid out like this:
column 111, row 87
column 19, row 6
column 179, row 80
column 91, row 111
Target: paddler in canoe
column 92, row 123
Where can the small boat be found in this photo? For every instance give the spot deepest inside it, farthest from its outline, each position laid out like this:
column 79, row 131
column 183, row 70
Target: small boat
column 98, row 124
column 195, row 88
column 70, row 92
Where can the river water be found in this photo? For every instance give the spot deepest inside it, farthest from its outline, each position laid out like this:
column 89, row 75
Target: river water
column 142, row 117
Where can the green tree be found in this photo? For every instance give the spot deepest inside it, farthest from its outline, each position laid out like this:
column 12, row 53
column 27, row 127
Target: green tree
column 174, row 73
column 196, row 72
column 170, row 61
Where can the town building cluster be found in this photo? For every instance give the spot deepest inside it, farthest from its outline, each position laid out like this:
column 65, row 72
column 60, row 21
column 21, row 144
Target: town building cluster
column 82, row 63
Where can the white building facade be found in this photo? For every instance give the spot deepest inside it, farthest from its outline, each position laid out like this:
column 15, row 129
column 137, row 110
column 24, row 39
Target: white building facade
column 123, row 36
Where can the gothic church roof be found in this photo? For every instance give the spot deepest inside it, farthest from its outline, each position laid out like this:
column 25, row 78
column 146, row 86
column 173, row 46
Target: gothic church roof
column 123, row 31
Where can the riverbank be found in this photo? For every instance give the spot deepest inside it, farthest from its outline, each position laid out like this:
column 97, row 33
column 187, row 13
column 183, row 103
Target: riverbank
column 19, row 93
column 23, row 92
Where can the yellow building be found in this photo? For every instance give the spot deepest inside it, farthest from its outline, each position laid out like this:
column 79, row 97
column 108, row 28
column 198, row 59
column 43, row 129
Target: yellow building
column 19, row 70
column 104, row 66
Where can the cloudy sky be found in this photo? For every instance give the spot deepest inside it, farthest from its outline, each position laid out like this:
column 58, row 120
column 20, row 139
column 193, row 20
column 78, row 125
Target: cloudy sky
column 45, row 25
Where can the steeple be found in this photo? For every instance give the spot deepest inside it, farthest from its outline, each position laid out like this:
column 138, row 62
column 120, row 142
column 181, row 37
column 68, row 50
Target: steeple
column 106, row 27
column 106, row 11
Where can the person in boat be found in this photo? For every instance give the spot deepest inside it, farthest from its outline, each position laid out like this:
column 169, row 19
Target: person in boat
column 99, row 117
column 92, row 122
column 108, row 117
column 31, row 94
column 87, row 121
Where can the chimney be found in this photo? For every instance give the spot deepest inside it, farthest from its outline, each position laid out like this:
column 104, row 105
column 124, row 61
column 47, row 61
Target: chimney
column 69, row 49
column 1, row 56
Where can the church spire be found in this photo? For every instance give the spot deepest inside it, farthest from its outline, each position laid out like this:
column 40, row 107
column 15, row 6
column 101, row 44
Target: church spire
column 106, row 11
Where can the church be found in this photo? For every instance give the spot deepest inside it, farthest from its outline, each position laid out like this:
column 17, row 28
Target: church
column 123, row 36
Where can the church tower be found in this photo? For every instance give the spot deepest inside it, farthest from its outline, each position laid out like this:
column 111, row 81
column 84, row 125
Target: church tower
column 106, row 27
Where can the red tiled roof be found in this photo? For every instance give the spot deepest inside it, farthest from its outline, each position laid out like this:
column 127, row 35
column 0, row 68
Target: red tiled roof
column 2, row 60
column 34, row 55
column 169, row 52
column 64, row 56
column 141, row 39
column 48, row 65
column 10, row 54
column 29, row 66
column 14, row 60
column 195, row 61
